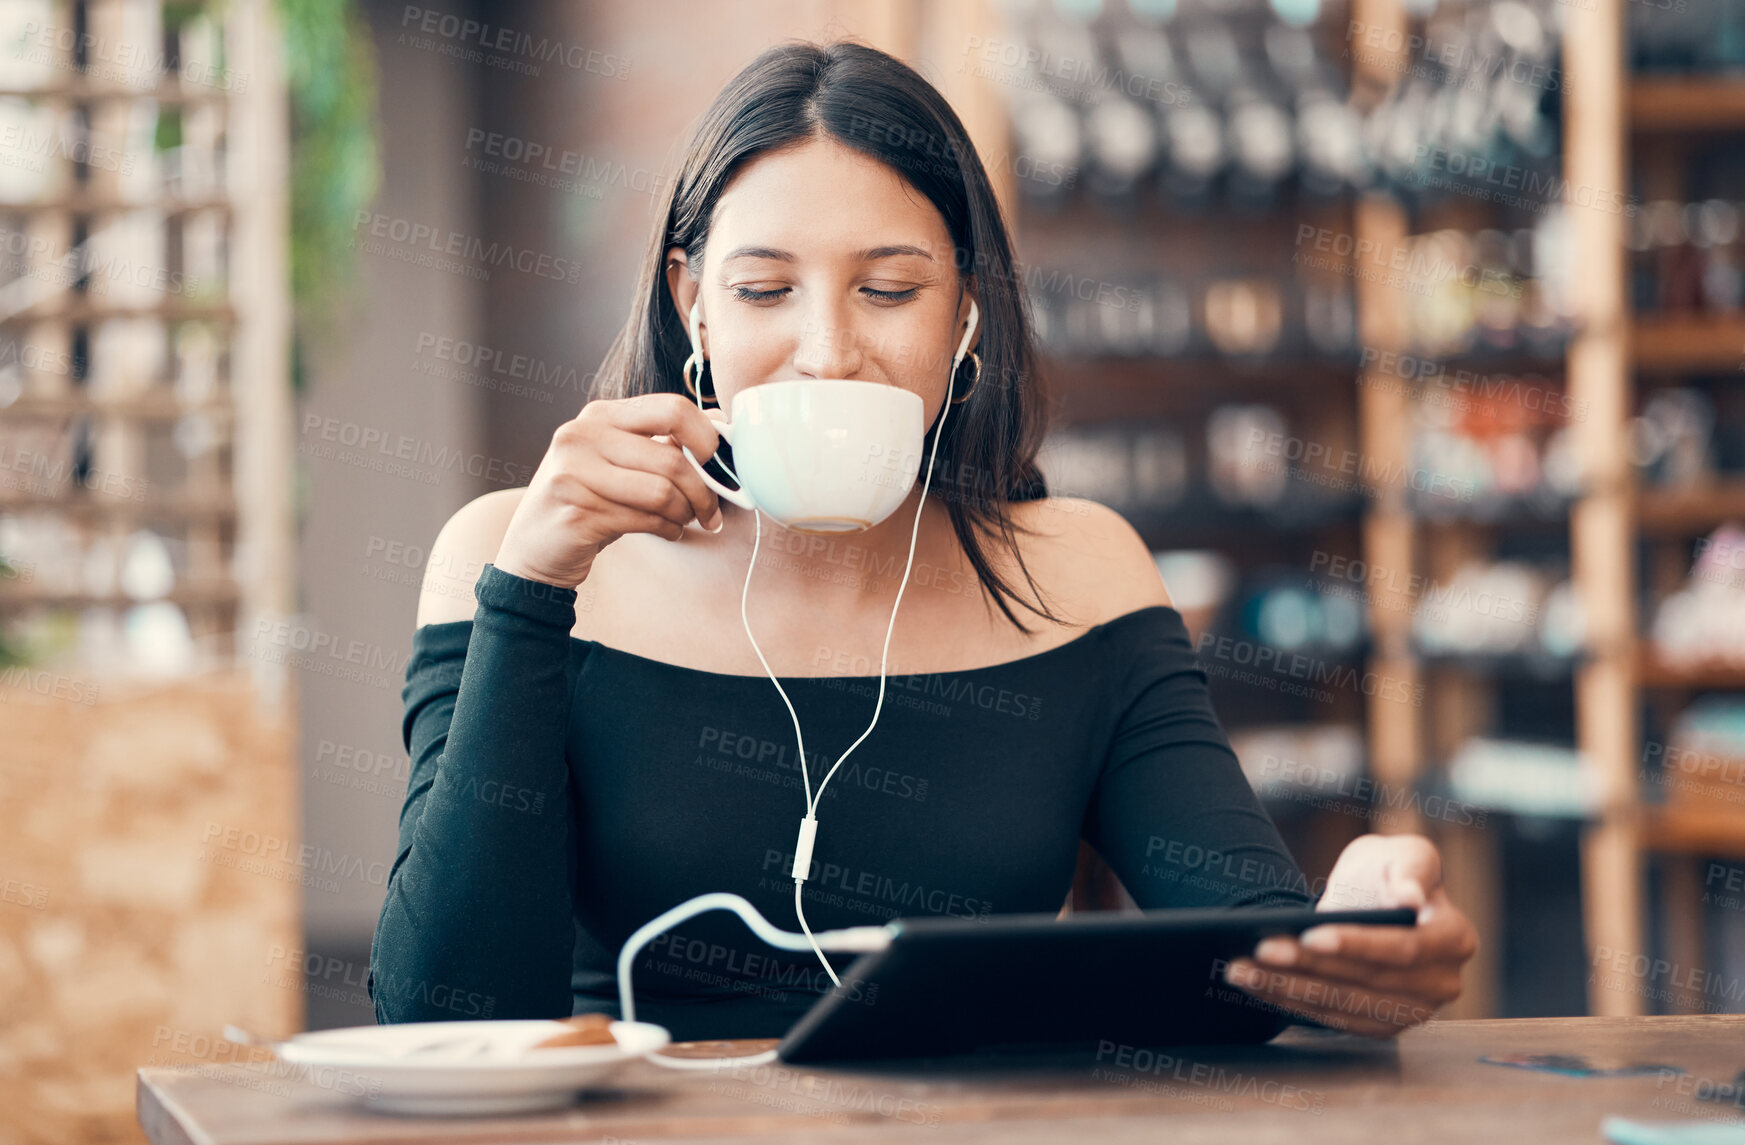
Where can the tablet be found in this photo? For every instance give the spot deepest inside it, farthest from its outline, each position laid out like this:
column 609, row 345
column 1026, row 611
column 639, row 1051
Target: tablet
column 1022, row 983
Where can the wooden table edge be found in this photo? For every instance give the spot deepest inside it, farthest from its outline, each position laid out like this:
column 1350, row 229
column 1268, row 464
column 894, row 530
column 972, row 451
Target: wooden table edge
column 160, row 1118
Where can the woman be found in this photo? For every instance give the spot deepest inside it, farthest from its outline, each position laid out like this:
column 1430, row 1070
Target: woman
column 584, row 760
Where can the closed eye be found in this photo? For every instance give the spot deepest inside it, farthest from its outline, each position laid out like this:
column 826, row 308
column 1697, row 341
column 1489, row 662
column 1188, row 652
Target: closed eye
column 891, row 295
column 747, row 294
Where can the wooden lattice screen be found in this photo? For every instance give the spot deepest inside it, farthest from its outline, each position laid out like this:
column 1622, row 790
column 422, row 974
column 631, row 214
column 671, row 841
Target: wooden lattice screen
column 142, row 316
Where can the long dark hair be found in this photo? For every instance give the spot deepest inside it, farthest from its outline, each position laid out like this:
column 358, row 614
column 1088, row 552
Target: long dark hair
column 878, row 105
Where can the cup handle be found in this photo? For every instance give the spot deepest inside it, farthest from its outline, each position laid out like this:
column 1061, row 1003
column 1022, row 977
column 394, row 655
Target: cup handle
column 738, row 496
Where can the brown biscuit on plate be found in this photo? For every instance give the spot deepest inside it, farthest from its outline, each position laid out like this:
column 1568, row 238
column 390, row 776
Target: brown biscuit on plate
column 584, row 1030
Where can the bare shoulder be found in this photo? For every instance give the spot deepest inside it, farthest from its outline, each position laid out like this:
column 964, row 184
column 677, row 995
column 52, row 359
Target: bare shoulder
column 1088, row 559
column 466, row 544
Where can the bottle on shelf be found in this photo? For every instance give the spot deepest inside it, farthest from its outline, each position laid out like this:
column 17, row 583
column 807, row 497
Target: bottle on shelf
column 1702, row 625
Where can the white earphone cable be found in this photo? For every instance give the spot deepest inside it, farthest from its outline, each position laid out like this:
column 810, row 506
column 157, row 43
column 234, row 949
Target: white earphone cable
column 854, row 939
column 809, row 826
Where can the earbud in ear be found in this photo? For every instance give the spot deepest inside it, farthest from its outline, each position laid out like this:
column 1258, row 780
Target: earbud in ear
column 696, row 333
column 969, row 332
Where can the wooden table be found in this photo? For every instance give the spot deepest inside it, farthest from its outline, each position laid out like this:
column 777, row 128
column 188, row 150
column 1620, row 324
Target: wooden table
column 1306, row 1085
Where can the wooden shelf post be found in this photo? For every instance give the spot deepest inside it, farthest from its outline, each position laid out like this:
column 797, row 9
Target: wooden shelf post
column 1601, row 538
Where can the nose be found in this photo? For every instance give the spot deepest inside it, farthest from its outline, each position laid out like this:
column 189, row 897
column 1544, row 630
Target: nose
column 829, row 347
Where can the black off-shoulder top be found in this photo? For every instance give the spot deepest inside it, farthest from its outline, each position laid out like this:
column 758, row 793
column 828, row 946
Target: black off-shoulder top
column 564, row 792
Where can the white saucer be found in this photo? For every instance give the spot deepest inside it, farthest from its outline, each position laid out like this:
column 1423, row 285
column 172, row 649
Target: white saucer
column 464, row 1067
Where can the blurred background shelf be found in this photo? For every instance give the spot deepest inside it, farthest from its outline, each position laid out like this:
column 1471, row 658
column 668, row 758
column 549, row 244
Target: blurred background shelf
column 1654, row 672
column 1689, row 342
column 1700, row 831
column 1513, row 668
column 1492, row 520
column 1674, row 104
column 1681, row 512
column 1114, row 388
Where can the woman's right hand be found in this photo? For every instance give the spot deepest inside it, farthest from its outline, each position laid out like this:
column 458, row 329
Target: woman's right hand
column 605, row 476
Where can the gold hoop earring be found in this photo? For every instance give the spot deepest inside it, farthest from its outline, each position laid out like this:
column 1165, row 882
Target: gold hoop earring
column 976, row 377
column 701, row 364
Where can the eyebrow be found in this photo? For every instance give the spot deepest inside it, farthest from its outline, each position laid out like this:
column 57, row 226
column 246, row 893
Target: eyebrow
column 867, row 255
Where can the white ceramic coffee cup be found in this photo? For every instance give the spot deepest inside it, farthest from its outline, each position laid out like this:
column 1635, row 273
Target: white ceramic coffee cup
column 822, row 455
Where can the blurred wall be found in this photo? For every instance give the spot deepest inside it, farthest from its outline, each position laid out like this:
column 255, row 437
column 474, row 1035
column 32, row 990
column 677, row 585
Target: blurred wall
column 136, row 919
column 364, row 530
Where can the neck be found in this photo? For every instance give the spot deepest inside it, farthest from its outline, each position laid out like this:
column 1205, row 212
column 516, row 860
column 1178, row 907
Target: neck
column 861, row 567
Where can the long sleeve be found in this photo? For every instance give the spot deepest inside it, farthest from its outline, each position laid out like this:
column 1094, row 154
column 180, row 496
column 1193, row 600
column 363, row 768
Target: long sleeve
column 477, row 922
column 1172, row 813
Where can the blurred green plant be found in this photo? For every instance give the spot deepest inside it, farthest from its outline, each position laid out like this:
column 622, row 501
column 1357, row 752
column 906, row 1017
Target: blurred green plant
column 11, row 651
column 330, row 74
column 168, row 135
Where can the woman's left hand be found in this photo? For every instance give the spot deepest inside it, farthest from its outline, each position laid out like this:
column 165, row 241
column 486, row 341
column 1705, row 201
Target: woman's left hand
column 1371, row 980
